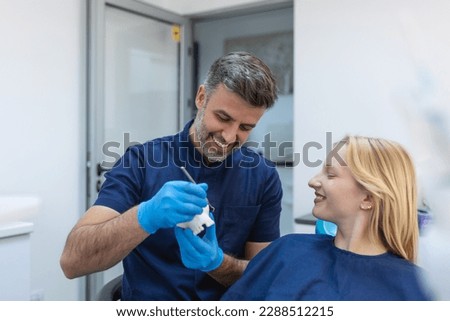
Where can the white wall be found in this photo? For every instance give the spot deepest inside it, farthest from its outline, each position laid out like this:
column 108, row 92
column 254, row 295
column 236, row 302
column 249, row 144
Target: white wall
column 42, row 125
column 357, row 64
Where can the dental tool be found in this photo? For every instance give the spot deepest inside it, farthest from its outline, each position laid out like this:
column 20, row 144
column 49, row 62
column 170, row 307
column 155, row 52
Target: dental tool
column 196, row 224
column 192, row 181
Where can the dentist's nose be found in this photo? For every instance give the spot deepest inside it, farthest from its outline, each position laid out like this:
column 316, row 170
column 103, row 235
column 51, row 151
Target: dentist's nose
column 230, row 135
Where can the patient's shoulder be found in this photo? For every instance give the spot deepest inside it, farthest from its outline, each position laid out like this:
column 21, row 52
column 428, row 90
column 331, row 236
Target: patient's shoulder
column 300, row 237
column 300, row 240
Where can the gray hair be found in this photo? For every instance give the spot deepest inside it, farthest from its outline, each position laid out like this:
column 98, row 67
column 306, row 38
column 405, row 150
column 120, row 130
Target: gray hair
column 246, row 75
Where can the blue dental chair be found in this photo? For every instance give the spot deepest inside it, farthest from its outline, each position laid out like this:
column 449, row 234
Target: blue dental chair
column 325, row 227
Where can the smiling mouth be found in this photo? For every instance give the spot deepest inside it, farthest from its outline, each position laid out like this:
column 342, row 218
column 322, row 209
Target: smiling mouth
column 319, row 198
column 221, row 145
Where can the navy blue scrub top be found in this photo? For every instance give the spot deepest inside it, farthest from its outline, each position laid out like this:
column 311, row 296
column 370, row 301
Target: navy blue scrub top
column 245, row 190
column 310, row 267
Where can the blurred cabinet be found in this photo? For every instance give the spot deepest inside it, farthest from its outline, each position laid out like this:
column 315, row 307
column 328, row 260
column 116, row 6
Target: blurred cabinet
column 15, row 263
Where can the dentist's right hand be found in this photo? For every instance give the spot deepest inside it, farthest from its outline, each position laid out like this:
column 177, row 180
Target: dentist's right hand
column 175, row 202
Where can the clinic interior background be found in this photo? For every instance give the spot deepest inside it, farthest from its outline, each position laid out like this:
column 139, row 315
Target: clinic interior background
column 373, row 67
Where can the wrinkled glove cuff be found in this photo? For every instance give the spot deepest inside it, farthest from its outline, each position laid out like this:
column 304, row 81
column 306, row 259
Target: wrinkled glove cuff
column 216, row 262
column 143, row 220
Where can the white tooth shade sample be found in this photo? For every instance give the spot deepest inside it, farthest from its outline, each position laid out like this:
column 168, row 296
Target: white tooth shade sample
column 196, row 224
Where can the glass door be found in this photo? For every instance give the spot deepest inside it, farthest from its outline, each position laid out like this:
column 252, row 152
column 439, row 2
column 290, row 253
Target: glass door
column 141, row 81
column 138, row 88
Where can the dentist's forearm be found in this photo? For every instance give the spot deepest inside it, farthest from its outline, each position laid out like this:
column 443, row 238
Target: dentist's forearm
column 98, row 244
column 229, row 271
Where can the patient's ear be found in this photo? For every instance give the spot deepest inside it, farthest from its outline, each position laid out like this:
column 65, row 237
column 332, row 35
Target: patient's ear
column 367, row 203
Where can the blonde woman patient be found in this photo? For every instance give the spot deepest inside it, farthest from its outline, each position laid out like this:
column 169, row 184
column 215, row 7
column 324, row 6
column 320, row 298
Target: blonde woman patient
column 367, row 187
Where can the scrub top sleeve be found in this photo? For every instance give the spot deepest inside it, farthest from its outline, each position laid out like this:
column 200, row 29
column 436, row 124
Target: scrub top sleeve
column 122, row 187
column 267, row 225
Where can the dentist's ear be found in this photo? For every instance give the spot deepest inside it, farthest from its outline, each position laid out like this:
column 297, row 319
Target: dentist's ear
column 200, row 97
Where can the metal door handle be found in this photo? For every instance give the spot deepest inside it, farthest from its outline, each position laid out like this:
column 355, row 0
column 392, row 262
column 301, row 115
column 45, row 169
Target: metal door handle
column 101, row 169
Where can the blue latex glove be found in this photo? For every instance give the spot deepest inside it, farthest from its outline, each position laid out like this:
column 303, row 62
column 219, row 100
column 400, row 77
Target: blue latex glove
column 199, row 253
column 175, row 202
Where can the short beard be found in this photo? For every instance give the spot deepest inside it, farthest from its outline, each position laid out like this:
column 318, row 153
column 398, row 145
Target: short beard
column 202, row 134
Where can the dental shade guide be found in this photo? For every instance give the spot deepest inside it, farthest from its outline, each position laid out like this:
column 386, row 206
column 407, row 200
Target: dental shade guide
column 196, row 224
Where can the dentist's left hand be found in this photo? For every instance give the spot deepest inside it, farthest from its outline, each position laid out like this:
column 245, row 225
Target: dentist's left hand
column 199, row 253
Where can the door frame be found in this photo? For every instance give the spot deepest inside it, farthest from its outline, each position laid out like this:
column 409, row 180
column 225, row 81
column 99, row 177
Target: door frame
column 95, row 91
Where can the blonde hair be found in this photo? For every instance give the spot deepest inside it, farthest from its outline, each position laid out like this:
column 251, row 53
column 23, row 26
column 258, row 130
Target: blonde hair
column 386, row 171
